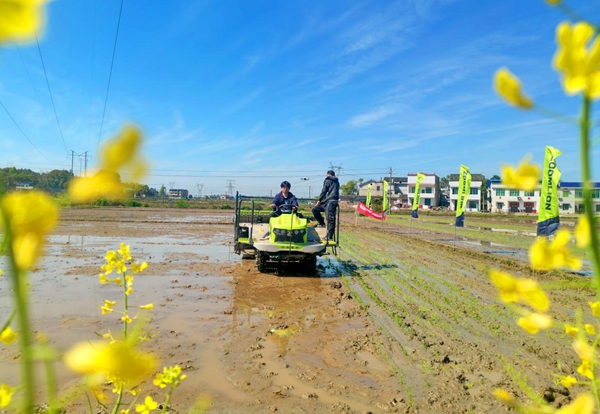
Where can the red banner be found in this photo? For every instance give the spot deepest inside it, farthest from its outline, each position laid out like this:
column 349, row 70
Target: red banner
column 366, row 211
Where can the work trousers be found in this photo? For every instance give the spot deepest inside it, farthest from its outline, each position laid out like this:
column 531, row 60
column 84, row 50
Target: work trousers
column 330, row 209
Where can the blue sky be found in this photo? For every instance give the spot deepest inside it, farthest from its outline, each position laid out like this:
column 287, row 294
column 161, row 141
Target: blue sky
column 263, row 91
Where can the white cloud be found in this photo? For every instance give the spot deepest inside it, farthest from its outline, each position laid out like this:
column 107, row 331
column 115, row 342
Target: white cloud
column 372, row 116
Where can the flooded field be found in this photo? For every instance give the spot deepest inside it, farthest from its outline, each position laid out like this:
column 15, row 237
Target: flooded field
column 403, row 320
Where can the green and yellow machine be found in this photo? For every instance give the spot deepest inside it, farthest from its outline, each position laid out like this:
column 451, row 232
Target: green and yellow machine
column 288, row 239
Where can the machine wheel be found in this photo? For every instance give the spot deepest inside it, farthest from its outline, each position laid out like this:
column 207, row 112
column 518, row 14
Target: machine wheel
column 261, row 261
column 310, row 264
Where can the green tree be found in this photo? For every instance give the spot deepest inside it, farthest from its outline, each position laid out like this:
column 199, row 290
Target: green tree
column 350, row 188
column 163, row 191
column 11, row 176
column 55, row 180
column 445, row 181
column 139, row 190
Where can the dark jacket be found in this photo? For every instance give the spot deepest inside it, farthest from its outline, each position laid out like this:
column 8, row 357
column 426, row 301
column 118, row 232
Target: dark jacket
column 280, row 200
column 330, row 191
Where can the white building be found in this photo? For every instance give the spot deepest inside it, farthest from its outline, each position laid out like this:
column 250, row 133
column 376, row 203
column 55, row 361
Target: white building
column 570, row 198
column 430, row 190
column 22, row 186
column 474, row 199
column 398, row 188
column 178, row 194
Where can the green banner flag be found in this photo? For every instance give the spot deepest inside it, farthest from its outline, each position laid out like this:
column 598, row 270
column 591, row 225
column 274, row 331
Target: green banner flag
column 417, row 197
column 368, row 203
column 464, row 189
column 386, row 204
column 548, row 219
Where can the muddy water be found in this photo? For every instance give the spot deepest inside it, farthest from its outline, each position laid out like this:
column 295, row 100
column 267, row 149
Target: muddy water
column 250, row 342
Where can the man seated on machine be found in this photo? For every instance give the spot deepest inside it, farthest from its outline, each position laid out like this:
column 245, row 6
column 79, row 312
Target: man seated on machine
column 284, row 201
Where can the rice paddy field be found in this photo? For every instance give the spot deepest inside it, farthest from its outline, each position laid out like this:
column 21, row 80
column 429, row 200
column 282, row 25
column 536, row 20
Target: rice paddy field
column 403, row 319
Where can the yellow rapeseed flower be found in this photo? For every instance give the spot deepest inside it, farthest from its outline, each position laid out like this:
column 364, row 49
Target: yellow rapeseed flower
column 578, row 64
column 583, row 350
column 115, row 262
column 582, row 232
column 149, row 306
column 531, row 294
column 128, row 284
column 124, row 251
column 138, row 268
column 126, row 319
column 513, row 289
column 508, row 87
column 6, row 394
column 31, row 216
column 595, row 306
column 118, row 360
column 503, row 395
column 568, row 381
column 554, row 255
column 525, row 177
column 170, row 376
column 534, row 322
column 1, row 272
column 107, row 307
column 8, row 336
column 506, row 285
column 103, row 279
column 148, row 406
column 585, row 369
column 21, row 20
column 118, row 156
column 571, row 330
column 590, row 329
column 583, row 404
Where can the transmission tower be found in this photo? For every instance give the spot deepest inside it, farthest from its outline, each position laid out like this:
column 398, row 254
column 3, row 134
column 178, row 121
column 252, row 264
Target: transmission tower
column 200, row 186
column 171, row 184
column 336, row 167
column 230, row 187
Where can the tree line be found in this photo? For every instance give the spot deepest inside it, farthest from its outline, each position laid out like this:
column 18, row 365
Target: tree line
column 57, row 181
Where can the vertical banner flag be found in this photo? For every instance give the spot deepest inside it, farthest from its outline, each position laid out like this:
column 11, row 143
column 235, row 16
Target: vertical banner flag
column 464, row 188
column 548, row 219
column 385, row 204
column 417, row 197
column 368, row 203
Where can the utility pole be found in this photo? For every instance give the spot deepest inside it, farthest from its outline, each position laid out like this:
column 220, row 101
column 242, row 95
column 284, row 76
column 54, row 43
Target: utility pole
column 72, row 159
column 85, row 156
column 390, row 186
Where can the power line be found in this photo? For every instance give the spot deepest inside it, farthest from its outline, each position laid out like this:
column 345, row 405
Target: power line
column 50, row 92
column 302, row 172
column 26, row 137
column 109, row 76
column 92, row 74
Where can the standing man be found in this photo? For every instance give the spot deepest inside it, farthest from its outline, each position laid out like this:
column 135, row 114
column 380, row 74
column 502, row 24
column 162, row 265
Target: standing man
column 328, row 202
